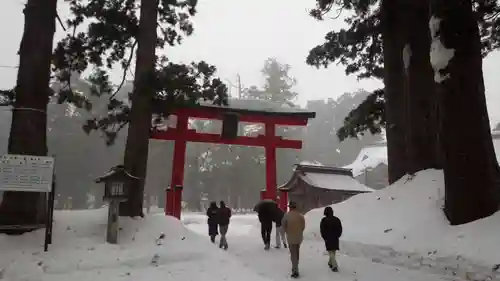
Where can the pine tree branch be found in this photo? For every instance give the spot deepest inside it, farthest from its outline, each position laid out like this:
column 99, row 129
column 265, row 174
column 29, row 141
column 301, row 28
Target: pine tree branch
column 125, row 69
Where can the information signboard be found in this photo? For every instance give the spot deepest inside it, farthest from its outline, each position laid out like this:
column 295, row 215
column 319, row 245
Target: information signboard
column 26, row 173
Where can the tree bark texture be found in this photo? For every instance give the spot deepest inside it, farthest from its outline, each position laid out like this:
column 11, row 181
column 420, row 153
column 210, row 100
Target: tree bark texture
column 394, row 79
column 470, row 166
column 422, row 130
column 29, row 117
column 137, row 146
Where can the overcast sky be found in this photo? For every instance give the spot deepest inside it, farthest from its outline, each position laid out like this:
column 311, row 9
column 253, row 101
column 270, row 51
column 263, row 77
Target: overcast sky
column 237, row 36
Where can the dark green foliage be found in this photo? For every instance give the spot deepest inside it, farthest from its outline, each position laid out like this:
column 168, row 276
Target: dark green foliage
column 359, row 47
column 488, row 12
column 367, row 117
column 176, row 85
column 111, row 39
column 7, row 97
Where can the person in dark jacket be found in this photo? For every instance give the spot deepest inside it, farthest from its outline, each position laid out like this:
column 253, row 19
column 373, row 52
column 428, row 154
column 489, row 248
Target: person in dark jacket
column 280, row 232
column 212, row 214
column 266, row 212
column 331, row 230
column 224, row 218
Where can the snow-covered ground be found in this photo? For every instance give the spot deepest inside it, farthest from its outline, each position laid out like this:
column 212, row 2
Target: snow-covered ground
column 394, row 234
column 80, row 254
column 403, row 225
column 245, row 244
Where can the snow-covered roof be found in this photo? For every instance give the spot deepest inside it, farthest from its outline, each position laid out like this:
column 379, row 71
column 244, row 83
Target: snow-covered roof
column 368, row 158
column 334, row 182
column 313, row 163
column 372, row 156
column 117, row 171
column 332, row 178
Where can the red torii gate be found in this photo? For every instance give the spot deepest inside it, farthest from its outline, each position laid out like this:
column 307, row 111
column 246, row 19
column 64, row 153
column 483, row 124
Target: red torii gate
column 271, row 117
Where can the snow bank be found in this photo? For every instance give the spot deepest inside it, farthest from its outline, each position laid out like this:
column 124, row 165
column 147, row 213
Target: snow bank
column 407, row 216
column 154, row 248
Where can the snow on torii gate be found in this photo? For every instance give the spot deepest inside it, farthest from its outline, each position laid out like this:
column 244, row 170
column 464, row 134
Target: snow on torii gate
column 270, row 114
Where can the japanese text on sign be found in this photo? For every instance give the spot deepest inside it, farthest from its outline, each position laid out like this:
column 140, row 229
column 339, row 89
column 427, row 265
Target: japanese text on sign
column 26, row 173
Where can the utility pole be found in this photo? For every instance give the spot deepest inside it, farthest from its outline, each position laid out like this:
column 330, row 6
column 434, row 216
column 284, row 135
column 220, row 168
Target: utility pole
column 240, row 88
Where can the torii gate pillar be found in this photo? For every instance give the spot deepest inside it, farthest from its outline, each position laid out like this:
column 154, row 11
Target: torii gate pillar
column 271, row 171
column 174, row 191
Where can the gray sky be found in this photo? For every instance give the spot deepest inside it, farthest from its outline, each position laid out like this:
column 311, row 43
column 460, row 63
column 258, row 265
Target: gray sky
column 237, row 36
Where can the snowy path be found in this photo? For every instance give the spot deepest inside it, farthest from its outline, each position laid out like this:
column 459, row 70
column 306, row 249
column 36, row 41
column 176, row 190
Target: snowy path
column 245, row 244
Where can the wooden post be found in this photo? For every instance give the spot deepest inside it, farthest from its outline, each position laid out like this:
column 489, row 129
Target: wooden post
column 112, row 229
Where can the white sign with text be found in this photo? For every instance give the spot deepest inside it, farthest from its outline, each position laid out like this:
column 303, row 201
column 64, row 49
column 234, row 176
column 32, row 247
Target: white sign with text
column 26, row 173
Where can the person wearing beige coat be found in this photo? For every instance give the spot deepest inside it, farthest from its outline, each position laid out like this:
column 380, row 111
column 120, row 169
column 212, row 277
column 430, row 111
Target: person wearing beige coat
column 294, row 224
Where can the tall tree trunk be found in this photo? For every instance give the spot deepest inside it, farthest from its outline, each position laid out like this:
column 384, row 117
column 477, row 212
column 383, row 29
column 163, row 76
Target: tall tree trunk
column 137, row 146
column 422, row 136
column 29, row 117
column 395, row 96
column 470, row 167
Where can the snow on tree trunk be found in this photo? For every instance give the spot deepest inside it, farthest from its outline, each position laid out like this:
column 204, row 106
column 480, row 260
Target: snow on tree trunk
column 411, row 111
column 29, row 119
column 422, row 136
column 137, row 146
column 470, row 166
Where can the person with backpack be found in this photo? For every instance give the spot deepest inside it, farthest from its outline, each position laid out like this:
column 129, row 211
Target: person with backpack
column 212, row 221
column 224, row 218
column 331, row 230
column 294, row 225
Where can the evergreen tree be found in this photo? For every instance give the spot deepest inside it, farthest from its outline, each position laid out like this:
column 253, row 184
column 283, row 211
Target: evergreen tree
column 29, row 100
column 359, row 48
column 470, row 165
column 278, row 84
column 111, row 38
column 137, row 145
column 467, row 161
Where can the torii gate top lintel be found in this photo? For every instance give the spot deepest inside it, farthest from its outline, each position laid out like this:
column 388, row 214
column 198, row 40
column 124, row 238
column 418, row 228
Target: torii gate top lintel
column 269, row 113
column 251, row 110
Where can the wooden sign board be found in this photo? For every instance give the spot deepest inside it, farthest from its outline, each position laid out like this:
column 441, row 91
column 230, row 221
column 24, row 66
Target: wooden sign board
column 26, row 173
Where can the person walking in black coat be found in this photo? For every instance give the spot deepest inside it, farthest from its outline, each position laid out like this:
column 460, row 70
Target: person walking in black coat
column 331, row 230
column 224, row 215
column 212, row 214
column 266, row 213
